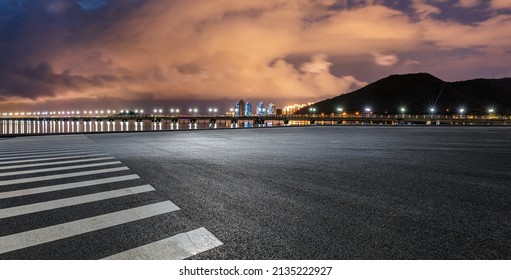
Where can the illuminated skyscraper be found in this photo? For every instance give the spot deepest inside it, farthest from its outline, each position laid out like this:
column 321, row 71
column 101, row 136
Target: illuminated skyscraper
column 248, row 109
column 260, row 111
column 271, row 110
column 239, row 108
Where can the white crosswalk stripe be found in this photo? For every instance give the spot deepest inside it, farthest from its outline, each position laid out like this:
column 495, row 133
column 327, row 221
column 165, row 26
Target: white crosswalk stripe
column 177, row 247
column 43, row 170
column 67, row 186
column 48, row 205
column 3, row 159
column 39, row 236
column 49, row 158
column 61, row 176
column 46, row 152
column 34, row 194
column 53, row 163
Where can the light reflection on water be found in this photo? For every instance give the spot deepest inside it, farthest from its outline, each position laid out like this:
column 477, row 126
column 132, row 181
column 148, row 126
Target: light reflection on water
column 13, row 127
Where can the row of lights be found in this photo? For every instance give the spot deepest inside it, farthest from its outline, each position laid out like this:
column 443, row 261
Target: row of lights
column 58, row 113
column 136, row 111
column 403, row 110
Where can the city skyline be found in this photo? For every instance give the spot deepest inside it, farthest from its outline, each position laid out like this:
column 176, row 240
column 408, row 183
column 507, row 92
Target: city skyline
column 81, row 54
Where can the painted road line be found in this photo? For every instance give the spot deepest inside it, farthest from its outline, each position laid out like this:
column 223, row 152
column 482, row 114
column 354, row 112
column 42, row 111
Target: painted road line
column 177, row 247
column 50, row 158
column 60, row 176
column 54, row 163
column 32, row 171
column 71, row 201
column 67, row 186
column 29, row 149
column 53, row 233
column 41, row 156
column 2, row 155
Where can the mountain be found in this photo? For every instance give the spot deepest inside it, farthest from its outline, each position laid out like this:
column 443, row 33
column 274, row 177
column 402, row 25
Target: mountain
column 420, row 92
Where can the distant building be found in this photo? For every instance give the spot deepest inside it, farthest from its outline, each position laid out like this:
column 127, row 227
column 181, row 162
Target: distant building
column 239, row 108
column 271, row 110
column 291, row 109
column 260, row 110
column 248, row 109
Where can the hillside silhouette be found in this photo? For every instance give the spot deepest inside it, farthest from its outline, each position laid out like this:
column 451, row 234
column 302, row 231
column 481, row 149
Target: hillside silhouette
column 420, row 92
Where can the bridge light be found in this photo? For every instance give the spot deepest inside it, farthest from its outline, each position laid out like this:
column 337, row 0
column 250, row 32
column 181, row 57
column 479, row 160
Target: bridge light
column 491, row 110
column 368, row 110
column 432, row 110
column 462, row 110
column 339, row 109
column 403, row 109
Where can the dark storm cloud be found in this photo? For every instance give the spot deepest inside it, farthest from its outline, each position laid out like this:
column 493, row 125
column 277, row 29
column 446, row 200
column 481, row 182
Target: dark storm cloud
column 42, row 81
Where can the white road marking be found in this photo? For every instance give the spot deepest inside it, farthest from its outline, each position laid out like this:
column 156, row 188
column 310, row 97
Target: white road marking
column 67, row 186
column 28, row 152
column 54, row 163
column 50, row 158
column 177, row 247
column 52, row 233
column 40, row 156
column 60, row 176
column 29, row 149
column 66, row 202
column 32, row 171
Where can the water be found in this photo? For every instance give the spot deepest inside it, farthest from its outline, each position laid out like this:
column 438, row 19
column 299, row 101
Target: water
column 27, row 127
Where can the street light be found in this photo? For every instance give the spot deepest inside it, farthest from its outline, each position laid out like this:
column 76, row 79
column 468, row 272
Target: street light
column 491, row 110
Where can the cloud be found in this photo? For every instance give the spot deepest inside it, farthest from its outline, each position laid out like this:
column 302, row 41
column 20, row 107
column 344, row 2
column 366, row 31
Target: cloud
column 468, row 3
column 485, row 36
column 134, row 50
column 424, row 10
column 384, row 59
column 500, row 4
column 317, row 65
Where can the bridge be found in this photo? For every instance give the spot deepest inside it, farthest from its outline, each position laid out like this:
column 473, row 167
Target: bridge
column 308, row 119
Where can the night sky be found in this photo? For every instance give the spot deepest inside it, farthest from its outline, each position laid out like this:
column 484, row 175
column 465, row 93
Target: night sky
column 81, row 54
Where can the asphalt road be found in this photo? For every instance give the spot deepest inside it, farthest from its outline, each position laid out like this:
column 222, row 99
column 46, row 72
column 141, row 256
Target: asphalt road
column 293, row 193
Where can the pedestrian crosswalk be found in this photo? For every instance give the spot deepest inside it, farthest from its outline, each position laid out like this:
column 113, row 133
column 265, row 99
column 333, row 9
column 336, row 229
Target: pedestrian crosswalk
column 63, row 197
